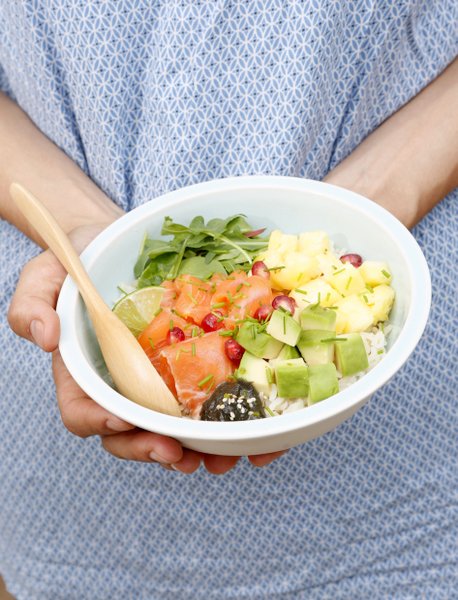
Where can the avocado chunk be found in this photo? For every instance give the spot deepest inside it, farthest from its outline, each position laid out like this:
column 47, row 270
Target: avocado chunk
column 316, row 317
column 351, row 356
column 254, row 339
column 282, row 326
column 314, row 348
column 256, row 371
column 322, row 382
column 288, row 352
column 292, row 378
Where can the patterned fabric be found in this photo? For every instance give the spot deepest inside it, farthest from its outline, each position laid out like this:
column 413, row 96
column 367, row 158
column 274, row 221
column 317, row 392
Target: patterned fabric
column 151, row 96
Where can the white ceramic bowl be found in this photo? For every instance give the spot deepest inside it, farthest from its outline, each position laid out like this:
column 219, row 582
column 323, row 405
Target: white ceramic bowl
column 292, row 205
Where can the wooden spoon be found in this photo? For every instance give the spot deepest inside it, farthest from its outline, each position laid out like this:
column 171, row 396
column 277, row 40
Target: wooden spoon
column 134, row 375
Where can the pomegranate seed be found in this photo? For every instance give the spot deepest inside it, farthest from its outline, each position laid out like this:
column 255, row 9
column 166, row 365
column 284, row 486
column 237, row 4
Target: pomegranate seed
column 212, row 321
column 254, row 233
column 234, row 350
column 285, row 302
column 263, row 312
column 353, row 259
column 175, row 335
column 260, row 269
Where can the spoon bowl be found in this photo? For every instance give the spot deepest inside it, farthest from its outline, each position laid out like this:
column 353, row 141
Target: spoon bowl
column 132, row 372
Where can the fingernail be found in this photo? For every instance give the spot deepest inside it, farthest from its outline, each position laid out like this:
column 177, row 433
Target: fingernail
column 118, row 424
column 37, row 331
column 158, row 458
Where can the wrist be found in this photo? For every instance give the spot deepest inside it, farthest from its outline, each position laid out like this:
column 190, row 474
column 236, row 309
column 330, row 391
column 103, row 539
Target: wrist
column 383, row 181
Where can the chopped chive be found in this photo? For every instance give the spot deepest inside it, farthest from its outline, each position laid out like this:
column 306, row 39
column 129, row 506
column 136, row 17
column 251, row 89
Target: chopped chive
column 369, row 287
column 300, row 291
column 365, row 299
column 277, row 268
column 231, row 299
column 348, row 283
column 218, row 305
column 387, row 275
column 159, row 310
column 334, row 339
column 239, row 287
column 380, row 351
column 269, row 411
column 151, row 343
column 121, row 290
column 328, row 297
column 299, row 277
column 177, row 355
column 193, row 349
column 247, row 283
column 284, row 324
column 253, row 332
column 224, row 333
column 191, row 297
column 339, row 271
column 319, row 298
column 194, row 331
column 219, row 317
column 175, row 312
column 170, row 324
column 205, row 380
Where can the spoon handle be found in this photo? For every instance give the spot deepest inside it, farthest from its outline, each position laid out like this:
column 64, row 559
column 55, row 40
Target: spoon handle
column 131, row 370
column 48, row 228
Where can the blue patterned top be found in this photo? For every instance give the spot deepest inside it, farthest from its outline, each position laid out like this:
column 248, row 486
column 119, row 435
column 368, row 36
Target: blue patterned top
column 149, row 96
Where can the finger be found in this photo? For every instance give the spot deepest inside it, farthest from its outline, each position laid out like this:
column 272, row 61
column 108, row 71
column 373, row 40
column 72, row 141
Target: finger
column 80, row 414
column 143, row 446
column 189, row 463
column 218, row 465
column 261, row 460
column 31, row 313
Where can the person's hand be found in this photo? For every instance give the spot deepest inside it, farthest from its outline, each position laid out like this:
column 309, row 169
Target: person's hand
column 32, row 315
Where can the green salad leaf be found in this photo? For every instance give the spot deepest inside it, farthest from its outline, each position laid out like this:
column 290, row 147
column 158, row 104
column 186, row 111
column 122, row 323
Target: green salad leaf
column 200, row 249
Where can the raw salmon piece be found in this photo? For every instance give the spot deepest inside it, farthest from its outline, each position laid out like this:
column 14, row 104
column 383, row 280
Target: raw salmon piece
column 156, row 332
column 241, row 296
column 193, row 302
column 201, row 360
column 170, row 294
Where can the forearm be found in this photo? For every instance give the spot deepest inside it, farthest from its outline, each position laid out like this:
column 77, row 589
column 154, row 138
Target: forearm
column 410, row 162
column 30, row 158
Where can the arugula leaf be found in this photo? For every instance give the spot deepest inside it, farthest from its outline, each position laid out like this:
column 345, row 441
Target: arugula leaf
column 199, row 267
column 200, row 249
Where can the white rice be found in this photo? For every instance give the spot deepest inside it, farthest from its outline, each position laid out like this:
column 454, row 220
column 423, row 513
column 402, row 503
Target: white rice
column 375, row 344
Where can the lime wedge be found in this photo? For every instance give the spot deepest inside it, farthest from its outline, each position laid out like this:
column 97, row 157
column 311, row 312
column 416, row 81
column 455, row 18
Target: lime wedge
column 137, row 309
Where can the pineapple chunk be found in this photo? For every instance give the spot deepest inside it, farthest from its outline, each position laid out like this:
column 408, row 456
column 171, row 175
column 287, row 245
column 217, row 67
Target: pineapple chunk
column 314, row 242
column 380, row 302
column 375, row 272
column 347, row 280
column 353, row 315
column 328, row 263
column 298, row 269
column 282, row 243
column 314, row 291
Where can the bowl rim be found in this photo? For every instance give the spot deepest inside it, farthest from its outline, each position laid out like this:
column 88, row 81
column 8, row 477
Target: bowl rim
column 343, row 402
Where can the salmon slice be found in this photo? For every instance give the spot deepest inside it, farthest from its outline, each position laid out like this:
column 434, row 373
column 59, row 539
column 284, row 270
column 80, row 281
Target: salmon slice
column 241, row 296
column 194, row 298
column 196, row 366
column 170, row 294
column 156, row 332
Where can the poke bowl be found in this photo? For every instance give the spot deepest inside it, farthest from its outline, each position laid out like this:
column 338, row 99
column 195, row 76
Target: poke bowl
column 353, row 225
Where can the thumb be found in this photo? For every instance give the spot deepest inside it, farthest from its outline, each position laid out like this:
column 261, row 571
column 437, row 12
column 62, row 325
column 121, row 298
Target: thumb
column 32, row 312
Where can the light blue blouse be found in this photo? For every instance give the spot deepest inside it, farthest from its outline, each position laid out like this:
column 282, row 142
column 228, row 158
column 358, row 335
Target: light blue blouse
column 149, row 96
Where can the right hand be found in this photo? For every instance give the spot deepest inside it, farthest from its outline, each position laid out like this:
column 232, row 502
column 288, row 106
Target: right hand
column 32, row 315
